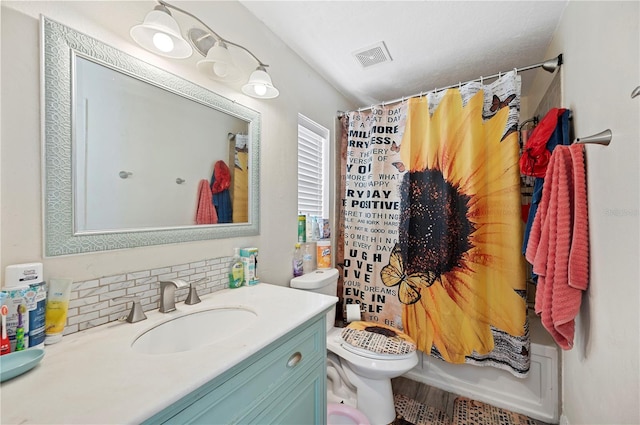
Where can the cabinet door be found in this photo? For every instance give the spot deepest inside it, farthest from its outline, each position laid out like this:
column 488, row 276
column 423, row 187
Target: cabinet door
column 304, row 403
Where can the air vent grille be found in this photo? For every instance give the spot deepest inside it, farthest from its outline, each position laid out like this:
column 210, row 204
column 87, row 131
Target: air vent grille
column 373, row 55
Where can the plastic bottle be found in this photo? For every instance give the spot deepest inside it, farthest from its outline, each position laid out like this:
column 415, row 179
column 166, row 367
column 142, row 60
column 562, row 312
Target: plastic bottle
column 308, row 264
column 302, row 228
column 236, row 270
column 297, row 261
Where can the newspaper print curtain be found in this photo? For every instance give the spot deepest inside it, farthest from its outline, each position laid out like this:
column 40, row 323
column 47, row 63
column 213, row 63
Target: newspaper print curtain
column 432, row 229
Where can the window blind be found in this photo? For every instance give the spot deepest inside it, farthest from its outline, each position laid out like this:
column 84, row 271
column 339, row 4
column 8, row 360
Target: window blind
column 310, row 172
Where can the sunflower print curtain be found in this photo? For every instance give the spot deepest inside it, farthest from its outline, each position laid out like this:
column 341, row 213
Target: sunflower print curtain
column 432, row 228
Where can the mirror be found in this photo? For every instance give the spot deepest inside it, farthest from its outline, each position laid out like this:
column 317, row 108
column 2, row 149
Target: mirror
column 130, row 151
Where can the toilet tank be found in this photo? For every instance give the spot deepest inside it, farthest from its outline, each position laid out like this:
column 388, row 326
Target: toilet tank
column 323, row 281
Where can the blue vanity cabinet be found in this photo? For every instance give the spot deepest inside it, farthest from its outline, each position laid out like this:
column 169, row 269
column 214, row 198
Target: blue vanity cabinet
column 283, row 383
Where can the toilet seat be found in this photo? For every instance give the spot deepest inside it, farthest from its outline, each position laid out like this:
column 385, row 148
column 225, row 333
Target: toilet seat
column 344, row 414
column 372, row 354
column 375, row 367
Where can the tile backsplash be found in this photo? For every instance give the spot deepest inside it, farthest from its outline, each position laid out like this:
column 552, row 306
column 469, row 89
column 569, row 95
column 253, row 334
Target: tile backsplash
column 92, row 303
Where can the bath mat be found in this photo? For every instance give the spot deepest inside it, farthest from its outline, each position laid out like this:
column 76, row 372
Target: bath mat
column 410, row 412
column 473, row 412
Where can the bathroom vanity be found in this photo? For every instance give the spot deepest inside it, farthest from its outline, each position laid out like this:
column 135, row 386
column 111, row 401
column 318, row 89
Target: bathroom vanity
column 271, row 371
column 273, row 386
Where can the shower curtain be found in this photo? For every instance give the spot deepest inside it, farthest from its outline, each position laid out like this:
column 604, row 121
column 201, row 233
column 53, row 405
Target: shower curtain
column 431, row 222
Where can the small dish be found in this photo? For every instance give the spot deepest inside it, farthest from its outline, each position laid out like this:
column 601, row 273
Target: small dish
column 17, row 363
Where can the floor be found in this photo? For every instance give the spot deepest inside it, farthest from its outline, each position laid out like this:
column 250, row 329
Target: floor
column 422, row 393
column 428, row 395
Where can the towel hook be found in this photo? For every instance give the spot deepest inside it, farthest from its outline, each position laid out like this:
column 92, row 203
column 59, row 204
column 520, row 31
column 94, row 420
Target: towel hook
column 635, row 92
column 125, row 174
column 180, row 181
column 602, row 138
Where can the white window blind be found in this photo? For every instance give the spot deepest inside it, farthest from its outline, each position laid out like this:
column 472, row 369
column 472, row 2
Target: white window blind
column 313, row 190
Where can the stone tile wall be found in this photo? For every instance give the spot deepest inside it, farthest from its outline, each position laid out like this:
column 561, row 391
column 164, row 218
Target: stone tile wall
column 92, row 301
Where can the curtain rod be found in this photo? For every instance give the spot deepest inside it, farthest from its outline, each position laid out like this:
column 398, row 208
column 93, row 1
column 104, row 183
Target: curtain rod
column 549, row 65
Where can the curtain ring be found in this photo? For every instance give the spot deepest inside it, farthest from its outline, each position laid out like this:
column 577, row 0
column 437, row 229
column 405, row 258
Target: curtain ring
column 481, row 80
column 515, row 70
column 499, row 74
column 459, row 85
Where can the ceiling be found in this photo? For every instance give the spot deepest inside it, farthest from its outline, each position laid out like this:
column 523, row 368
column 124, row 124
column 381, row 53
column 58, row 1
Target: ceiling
column 432, row 43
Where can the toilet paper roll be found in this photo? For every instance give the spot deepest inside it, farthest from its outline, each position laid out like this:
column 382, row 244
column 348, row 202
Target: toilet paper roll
column 353, row 312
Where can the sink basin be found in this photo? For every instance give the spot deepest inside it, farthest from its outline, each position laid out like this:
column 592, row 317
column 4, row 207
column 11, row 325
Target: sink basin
column 194, row 330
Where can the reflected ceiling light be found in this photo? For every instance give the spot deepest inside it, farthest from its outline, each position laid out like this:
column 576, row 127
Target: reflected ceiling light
column 161, row 34
column 260, row 85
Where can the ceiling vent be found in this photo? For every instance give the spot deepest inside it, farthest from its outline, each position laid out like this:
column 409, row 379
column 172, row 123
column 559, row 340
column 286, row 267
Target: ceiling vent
column 373, row 55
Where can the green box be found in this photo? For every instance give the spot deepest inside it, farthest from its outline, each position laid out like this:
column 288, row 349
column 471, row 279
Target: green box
column 249, row 258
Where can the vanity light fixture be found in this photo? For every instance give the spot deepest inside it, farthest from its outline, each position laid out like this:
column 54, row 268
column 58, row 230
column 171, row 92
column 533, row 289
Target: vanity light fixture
column 260, row 85
column 160, row 34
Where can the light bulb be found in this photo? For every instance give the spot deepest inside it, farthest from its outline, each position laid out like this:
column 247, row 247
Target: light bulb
column 220, row 69
column 260, row 89
column 163, row 42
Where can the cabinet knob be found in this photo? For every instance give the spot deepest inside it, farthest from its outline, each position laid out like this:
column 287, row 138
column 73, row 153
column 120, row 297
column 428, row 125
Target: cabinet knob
column 294, row 359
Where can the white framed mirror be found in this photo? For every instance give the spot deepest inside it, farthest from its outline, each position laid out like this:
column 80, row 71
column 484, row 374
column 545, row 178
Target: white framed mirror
column 128, row 148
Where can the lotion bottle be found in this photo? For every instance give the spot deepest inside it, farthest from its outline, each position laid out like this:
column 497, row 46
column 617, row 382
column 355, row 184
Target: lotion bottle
column 236, row 270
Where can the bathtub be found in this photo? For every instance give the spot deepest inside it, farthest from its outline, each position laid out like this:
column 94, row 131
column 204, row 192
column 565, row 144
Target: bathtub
column 537, row 395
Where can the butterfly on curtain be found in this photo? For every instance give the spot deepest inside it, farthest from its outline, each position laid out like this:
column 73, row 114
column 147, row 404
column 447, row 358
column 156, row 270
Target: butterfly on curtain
column 496, row 103
column 399, row 165
column 410, row 285
column 395, row 147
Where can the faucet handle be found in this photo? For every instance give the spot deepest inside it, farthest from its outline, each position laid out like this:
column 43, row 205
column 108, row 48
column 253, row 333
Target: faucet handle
column 136, row 314
column 193, row 297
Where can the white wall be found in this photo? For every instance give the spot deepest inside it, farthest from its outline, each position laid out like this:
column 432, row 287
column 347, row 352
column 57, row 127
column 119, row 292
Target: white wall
column 301, row 91
column 601, row 46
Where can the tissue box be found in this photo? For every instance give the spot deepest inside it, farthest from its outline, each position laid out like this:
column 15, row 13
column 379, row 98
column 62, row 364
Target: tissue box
column 249, row 258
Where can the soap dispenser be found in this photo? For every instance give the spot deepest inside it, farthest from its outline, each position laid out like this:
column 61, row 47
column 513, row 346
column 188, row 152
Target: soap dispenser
column 236, row 270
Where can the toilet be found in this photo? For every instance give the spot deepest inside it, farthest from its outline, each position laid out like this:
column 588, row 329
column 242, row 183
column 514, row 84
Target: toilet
column 356, row 377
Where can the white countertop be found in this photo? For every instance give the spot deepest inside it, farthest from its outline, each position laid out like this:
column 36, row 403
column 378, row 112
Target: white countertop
column 95, row 377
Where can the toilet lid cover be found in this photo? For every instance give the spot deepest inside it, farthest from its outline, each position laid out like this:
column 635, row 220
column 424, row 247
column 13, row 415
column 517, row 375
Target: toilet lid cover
column 377, row 338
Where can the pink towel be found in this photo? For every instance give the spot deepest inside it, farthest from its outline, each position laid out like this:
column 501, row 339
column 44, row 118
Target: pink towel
column 206, row 212
column 558, row 245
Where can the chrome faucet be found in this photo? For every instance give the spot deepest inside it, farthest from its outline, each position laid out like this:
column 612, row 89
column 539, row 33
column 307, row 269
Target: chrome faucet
column 168, row 294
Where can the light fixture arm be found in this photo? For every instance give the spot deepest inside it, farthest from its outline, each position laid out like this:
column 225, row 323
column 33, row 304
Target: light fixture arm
column 213, row 33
